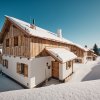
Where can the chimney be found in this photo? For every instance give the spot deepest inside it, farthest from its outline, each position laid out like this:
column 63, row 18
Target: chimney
column 33, row 24
column 59, row 33
column 85, row 46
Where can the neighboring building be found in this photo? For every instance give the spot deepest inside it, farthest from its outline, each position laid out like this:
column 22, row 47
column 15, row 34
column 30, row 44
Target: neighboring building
column 81, row 53
column 32, row 55
column 91, row 55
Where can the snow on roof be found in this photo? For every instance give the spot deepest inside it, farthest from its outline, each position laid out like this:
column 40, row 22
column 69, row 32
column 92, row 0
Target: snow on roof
column 39, row 32
column 83, row 48
column 88, row 90
column 62, row 54
column 42, row 33
column 91, row 50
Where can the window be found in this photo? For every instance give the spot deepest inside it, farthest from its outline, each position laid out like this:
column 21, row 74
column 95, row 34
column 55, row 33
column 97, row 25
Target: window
column 68, row 64
column 22, row 69
column 16, row 41
column 5, row 63
column 7, row 42
column 78, row 60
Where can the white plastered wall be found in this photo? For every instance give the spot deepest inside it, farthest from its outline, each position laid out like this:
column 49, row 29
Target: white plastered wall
column 63, row 72
column 37, row 70
column 12, row 72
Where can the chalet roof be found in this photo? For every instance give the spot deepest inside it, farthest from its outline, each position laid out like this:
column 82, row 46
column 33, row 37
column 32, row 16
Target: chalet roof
column 38, row 32
column 62, row 54
column 91, row 50
column 42, row 33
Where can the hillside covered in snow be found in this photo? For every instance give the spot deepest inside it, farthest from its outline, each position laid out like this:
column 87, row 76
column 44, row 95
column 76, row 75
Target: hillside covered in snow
column 89, row 90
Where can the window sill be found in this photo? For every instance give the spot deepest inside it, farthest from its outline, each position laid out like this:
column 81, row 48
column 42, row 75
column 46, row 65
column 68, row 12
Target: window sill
column 22, row 75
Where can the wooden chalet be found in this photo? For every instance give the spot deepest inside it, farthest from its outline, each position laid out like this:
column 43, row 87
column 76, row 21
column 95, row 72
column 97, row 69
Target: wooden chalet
column 32, row 55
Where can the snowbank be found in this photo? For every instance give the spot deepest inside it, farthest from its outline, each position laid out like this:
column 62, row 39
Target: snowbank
column 7, row 85
column 86, row 72
column 89, row 90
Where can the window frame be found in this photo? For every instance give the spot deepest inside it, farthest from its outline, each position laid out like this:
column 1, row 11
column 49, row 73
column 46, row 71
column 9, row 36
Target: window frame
column 5, row 63
column 67, row 65
column 16, row 41
column 7, row 42
column 22, row 66
column 21, row 69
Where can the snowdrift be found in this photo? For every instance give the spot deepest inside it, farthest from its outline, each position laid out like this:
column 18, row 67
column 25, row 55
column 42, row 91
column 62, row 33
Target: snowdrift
column 89, row 90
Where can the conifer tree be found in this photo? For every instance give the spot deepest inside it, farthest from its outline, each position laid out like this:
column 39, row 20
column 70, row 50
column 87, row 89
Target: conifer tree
column 95, row 48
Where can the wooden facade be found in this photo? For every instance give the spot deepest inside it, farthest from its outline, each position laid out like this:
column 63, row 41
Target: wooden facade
column 29, row 46
column 23, row 47
column 91, row 55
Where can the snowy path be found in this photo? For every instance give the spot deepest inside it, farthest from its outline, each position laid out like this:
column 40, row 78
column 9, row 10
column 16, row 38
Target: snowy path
column 8, row 85
column 86, row 72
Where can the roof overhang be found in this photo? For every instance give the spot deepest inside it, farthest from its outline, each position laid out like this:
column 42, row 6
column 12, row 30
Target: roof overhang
column 61, row 54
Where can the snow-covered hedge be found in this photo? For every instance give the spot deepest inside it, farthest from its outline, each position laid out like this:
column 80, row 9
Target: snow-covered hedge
column 69, row 91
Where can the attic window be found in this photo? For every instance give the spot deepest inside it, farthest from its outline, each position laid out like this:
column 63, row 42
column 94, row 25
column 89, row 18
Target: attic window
column 16, row 41
column 7, row 42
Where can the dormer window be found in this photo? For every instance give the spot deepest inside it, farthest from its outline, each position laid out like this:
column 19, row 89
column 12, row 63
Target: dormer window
column 7, row 42
column 16, row 41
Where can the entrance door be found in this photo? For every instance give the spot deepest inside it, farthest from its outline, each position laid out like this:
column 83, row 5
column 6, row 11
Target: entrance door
column 55, row 69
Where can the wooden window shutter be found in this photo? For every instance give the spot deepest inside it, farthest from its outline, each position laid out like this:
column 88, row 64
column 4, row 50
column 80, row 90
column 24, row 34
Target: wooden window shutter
column 16, row 41
column 26, row 70
column 18, row 67
column 7, row 42
column 19, row 40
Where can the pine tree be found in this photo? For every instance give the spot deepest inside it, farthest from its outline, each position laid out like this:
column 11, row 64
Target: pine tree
column 95, row 48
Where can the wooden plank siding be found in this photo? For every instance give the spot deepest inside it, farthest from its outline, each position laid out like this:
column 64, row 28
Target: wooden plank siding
column 90, row 53
column 77, row 51
column 30, row 46
column 23, row 48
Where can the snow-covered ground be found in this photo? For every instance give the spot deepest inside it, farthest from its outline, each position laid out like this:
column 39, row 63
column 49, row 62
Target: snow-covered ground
column 89, row 90
column 86, row 72
column 72, row 90
column 7, row 85
column 82, row 72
